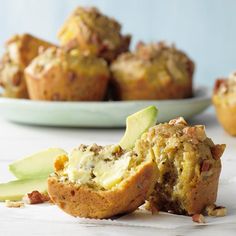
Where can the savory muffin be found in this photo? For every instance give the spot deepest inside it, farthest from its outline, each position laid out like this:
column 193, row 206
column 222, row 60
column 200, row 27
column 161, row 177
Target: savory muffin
column 152, row 71
column 224, row 100
column 94, row 33
column 23, row 48
column 101, row 182
column 12, row 79
column 60, row 75
column 188, row 165
column 20, row 50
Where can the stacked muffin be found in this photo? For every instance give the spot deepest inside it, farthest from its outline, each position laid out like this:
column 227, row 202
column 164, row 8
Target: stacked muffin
column 91, row 62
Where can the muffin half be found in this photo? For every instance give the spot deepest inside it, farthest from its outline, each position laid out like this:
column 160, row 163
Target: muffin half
column 60, row 75
column 188, row 165
column 94, row 33
column 152, row 71
column 101, row 182
column 224, row 100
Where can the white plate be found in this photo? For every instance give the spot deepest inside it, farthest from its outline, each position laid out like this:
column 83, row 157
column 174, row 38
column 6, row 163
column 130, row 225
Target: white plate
column 98, row 114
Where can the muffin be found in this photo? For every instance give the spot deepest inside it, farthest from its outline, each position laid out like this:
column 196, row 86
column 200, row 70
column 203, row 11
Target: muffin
column 152, row 71
column 23, row 48
column 60, row 75
column 188, row 164
column 101, row 182
column 20, row 50
column 12, row 79
column 94, row 33
column 224, row 100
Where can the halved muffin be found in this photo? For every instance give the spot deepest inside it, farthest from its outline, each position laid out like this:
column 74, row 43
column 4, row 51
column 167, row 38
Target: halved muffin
column 94, row 33
column 224, row 100
column 188, row 164
column 60, row 75
column 152, row 71
column 101, row 182
column 20, row 50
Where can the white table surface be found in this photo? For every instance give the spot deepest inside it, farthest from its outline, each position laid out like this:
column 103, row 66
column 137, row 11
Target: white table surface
column 19, row 140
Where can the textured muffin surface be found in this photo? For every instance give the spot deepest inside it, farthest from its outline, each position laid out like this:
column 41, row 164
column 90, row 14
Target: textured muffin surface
column 224, row 100
column 92, row 32
column 12, row 79
column 101, row 182
column 20, row 50
column 61, row 75
column 188, row 163
column 153, row 71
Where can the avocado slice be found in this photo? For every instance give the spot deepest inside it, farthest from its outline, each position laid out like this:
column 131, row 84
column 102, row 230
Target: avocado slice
column 36, row 165
column 15, row 190
column 137, row 124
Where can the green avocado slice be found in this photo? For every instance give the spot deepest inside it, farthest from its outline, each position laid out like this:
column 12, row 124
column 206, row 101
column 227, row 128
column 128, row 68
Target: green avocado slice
column 36, row 165
column 15, row 190
column 137, row 124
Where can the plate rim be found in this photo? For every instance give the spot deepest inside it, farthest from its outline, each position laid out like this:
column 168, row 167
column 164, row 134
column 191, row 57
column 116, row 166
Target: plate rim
column 203, row 89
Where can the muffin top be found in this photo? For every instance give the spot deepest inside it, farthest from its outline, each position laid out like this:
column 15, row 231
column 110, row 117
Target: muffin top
column 94, row 27
column 155, row 60
column 22, row 48
column 183, row 153
column 12, row 78
column 176, row 139
column 72, row 60
column 225, row 90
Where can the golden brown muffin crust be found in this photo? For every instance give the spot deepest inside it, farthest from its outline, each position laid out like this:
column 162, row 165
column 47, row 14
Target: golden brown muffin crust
column 85, row 202
column 22, row 48
column 92, row 32
column 60, row 75
column 101, row 182
column 188, row 163
column 224, row 100
column 152, row 71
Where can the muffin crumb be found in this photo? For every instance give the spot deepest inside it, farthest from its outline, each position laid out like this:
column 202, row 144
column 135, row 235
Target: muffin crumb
column 198, row 218
column 14, row 204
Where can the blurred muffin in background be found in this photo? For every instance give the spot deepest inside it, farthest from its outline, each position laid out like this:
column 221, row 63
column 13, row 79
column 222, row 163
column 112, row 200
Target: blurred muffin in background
column 23, row 48
column 12, row 79
column 224, row 100
column 94, row 33
column 20, row 50
column 60, row 75
column 152, row 71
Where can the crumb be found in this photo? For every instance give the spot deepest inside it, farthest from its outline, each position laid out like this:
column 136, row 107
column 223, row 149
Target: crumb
column 213, row 210
column 179, row 120
column 35, row 197
column 198, row 218
column 151, row 206
column 13, row 204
